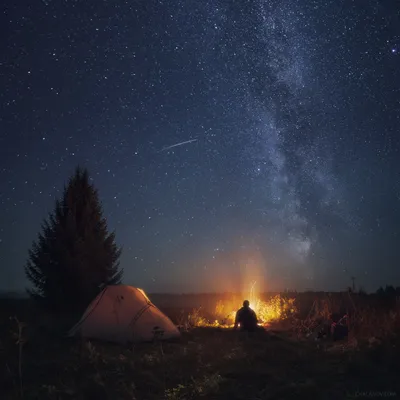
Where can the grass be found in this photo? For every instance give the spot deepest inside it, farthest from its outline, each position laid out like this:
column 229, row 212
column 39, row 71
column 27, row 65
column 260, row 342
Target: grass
column 37, row 362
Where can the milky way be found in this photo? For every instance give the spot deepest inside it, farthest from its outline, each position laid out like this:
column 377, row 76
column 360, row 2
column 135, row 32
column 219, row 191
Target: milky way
column 270, row 69
column 220, row 134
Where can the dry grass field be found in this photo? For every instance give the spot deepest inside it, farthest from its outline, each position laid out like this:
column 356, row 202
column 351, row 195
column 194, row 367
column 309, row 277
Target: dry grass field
column 285, row 361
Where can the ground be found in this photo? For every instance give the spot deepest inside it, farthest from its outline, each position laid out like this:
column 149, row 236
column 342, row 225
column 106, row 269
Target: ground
column 206, row 363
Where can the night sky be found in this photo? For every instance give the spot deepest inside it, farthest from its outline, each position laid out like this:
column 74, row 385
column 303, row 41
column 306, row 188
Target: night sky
column 287, row 117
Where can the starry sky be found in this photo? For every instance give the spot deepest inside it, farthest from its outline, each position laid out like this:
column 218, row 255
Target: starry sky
column 226, row 137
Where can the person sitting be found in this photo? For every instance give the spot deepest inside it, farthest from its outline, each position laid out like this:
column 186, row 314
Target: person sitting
column 246, row 318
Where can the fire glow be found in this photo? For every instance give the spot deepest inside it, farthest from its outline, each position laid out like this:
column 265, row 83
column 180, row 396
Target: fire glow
column 277, row 308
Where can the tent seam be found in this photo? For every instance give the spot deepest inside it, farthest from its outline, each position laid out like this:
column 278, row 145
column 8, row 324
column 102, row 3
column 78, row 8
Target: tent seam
column 136, row 318
column 87, row 316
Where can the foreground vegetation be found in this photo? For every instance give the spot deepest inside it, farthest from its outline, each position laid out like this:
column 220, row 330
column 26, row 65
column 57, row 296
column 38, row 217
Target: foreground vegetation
column 38, row 362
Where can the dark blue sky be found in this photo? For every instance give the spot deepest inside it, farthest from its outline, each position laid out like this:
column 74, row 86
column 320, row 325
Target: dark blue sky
column 292, row 110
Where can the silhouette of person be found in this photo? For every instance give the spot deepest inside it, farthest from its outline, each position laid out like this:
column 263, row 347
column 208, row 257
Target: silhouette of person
column 246, row 318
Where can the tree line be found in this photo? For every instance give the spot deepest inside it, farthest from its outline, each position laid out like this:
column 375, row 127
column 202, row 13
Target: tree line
column 75, row 256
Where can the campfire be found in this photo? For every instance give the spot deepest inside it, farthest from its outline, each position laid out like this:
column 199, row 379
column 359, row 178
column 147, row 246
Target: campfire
column 276, row 308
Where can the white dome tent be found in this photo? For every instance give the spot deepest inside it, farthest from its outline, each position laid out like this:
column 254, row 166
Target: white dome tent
column 123, row 314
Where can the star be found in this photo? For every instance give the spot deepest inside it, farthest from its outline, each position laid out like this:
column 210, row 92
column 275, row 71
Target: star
column 229, row 132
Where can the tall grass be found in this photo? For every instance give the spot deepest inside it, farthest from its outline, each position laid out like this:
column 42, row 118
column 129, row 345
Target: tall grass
column 365, row 322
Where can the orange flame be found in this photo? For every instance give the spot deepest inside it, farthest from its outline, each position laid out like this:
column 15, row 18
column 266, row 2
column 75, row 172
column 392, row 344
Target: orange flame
column 275, row 309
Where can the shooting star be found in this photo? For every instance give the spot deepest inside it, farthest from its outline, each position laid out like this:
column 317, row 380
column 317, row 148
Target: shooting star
column 179, row 144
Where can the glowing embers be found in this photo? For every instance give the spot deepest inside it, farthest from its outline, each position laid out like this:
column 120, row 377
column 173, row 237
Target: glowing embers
column 276, row 308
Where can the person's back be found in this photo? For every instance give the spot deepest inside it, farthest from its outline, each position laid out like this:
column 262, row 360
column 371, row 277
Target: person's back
column 246, row 318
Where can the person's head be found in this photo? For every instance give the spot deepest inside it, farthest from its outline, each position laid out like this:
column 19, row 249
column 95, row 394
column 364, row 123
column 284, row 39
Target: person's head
column 246, row 304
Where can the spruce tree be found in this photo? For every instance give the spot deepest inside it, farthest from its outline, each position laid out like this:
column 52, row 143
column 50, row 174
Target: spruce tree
column 74, row 256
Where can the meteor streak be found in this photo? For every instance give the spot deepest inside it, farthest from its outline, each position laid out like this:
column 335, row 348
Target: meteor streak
column 179, row 144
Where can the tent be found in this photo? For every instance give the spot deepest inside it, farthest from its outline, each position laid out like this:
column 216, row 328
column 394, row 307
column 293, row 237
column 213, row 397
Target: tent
column 122, row 314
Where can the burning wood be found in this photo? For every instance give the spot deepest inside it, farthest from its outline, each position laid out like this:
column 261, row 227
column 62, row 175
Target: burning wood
column 277, row 308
